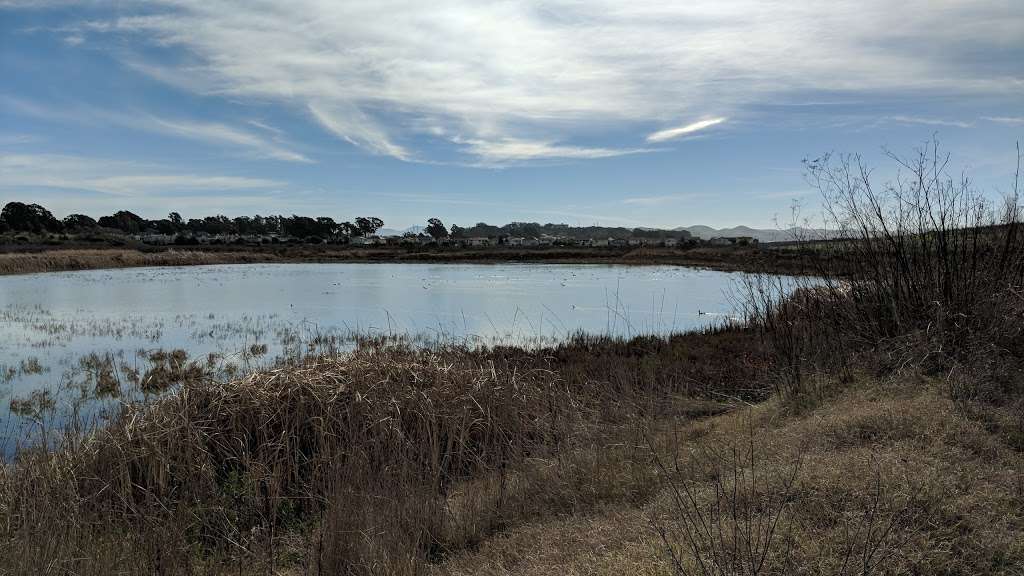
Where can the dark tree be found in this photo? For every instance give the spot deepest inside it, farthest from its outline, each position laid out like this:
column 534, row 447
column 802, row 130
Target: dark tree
column 29, row 218
column 218, row 224
column 163, row 226
column 326, row 227
column 436, row 229
column 176, row 220
column 79, row 222
column 244, row 225
column 124, row 221
column 348, row 229
column 300, row 226
column 368, row 225
column 458, row 231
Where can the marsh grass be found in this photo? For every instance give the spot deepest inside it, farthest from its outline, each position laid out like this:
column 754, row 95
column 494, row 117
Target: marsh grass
column 363, row 462
column 85, row 259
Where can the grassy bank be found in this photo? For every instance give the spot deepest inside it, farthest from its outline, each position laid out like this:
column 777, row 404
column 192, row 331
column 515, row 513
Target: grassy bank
column 385, row 461
column 596, row 457
column 29, row 262
column 31, row 259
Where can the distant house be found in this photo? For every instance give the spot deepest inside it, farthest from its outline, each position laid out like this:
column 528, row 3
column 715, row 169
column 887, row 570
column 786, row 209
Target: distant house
column 636, row 241
column 366, row 241
column 618, row 242
column 733, row 241
column 478, row 241
column 598, row 242
column 514, row 241
column 670, row 242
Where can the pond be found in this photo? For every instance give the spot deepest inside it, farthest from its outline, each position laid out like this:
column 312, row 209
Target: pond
column 82, row 334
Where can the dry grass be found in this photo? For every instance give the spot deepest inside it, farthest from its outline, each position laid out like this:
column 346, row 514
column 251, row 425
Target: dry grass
column 32, row 259
column 399, row 461
column 892, row 480
column 382, row 461
column 65, row 260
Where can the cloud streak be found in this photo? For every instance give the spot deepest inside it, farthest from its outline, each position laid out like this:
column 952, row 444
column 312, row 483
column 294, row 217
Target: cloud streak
column 672, row 133
column 211, row 133
column 117, row 178
column 929, row 121
column 1010, row 120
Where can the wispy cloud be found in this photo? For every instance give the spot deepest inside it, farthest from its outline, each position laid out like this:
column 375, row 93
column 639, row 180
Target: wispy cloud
column 1012, row 120
column 119, row 178
column 378, row 74
column 18, row 139
column 212, row 133
column 512, row 150
column 670, row 133
column 217, row 133
column 355, row 127
column 928, row 121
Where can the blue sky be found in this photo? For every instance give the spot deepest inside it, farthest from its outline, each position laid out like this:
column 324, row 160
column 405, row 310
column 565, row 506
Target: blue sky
column 640, row 113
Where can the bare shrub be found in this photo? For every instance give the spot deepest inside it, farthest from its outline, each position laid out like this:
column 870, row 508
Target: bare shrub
column 728, row 512
column 925, row 271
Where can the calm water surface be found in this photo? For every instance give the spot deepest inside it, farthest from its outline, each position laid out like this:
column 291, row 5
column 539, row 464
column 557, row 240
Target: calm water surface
column 54, row 327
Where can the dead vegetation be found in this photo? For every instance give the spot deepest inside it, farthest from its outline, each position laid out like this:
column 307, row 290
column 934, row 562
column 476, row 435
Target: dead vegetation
column 90, row 259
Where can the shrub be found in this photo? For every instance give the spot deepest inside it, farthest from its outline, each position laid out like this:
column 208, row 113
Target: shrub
column 925, row 271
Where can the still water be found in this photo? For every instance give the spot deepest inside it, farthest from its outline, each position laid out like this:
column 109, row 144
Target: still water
column 59, row 330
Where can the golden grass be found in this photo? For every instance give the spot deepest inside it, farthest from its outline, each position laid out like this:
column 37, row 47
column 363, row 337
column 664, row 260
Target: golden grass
column 953, row 490
column 449, row 461
column 66, row 260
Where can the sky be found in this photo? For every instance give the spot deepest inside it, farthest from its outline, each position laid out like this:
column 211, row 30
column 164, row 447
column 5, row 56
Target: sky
column 641, row 113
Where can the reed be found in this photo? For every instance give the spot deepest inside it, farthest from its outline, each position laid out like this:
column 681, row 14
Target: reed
column 67, row 260
column 356, row 463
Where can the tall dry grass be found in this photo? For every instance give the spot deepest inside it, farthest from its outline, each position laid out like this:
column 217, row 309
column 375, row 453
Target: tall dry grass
column 67, row 260
column 379, row 462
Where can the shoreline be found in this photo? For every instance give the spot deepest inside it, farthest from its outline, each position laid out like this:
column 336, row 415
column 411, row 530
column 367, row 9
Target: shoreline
column 35, row 259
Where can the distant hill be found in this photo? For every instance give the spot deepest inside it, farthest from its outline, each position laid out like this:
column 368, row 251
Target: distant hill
column 762, row 234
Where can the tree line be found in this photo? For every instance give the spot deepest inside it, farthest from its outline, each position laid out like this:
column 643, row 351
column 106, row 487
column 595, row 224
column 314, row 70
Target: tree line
column 33, row 218
column 20, row 217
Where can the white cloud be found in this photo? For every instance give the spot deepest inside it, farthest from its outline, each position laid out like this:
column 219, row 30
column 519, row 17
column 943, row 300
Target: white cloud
column 670, row 133
column 118, row 178
column 354, row 126
column 213, row 133
column 928, row 121
column 512, row 150
column 383, row 73
column 216, row 133
column 1012, row 120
